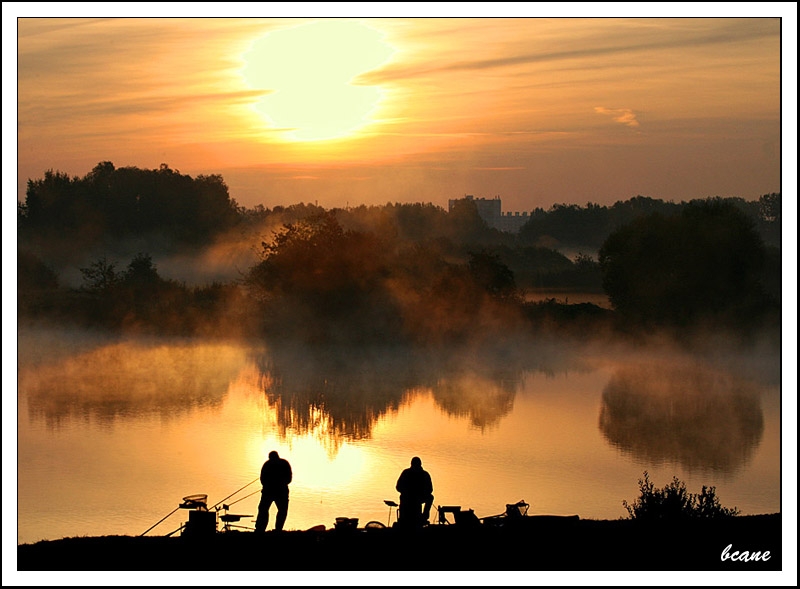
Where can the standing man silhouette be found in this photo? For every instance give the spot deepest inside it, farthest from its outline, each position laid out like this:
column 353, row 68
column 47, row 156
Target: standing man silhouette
column 416, row 489
column 276, row 474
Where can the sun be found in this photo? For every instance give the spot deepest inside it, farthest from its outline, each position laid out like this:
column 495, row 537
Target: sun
column 309, row 71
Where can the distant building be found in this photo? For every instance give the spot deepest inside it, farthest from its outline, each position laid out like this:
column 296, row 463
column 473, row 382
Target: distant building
column 490, row 210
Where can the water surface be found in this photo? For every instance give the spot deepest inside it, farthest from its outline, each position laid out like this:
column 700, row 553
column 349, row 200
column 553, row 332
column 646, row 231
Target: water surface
column 113, row 433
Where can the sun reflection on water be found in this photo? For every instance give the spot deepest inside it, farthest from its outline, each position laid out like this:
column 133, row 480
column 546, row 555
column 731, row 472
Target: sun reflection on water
column 112, row 436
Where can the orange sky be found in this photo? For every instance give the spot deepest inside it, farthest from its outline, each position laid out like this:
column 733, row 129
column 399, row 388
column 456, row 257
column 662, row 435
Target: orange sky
column 536, row 110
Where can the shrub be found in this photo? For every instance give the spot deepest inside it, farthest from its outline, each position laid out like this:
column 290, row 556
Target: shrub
column 674, row 502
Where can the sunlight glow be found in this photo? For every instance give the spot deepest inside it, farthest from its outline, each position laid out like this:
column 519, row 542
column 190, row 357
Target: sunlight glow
column 310, row 72
column 314, row 467
column 317, row 470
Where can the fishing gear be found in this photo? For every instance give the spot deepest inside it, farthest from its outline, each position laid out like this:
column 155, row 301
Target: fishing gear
column 161, row 520
column 242, row 499
column 234, row 493
column 189, row 502
column 200, row 517
column 391, row 504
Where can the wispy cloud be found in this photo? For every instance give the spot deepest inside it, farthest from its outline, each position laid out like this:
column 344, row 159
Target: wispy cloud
column 649, row 36
column 500, row 168
column 623, row 116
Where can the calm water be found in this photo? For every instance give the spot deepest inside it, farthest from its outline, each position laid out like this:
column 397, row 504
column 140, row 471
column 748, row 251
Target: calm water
column 113, row 433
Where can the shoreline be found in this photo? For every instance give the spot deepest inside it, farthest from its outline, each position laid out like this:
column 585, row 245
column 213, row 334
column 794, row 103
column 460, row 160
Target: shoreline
column 537, row 543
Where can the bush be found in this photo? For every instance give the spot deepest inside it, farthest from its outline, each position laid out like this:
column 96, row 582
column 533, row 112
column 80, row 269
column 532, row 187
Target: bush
column 674, row 502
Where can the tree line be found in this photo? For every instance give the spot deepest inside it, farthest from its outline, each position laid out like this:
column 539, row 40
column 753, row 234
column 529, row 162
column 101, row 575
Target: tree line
column 411, row 272
column 116, row 203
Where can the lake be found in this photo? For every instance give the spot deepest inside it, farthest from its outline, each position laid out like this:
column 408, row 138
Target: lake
column 113, row 432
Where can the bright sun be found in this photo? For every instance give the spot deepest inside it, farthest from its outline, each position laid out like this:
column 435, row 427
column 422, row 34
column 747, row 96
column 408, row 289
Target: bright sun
column 309, row 70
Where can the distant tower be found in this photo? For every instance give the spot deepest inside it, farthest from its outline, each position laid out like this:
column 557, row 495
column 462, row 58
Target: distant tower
column 490, row 210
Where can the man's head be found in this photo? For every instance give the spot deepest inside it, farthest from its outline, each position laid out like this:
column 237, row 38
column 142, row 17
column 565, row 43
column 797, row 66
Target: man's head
column 273, row 455
column 416, row 462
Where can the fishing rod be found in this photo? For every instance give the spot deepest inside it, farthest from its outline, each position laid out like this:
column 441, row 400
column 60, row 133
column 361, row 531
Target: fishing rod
column 212, row 507
column 243, row 498
column 236, row 491
column 161, row 520
column 175, row 530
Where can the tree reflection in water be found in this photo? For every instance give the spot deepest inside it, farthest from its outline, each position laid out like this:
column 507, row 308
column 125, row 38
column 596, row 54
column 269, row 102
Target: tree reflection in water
column 698, row 418
column 484, row 398
column 335, row 393
column 341, row 393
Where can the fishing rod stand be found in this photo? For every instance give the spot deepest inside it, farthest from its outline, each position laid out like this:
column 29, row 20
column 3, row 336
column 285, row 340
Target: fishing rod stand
column 228, row 519
column 392, row 505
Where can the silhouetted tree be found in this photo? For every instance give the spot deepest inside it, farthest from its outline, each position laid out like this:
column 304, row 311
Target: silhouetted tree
column 142, row 271
column 109, row 204
column 704, row 263
column 769, row 218
column 770, row 207
column 465, row 226
column 317, row 258
column 492, row 274
column 322, row 278
column 100, row 276
column 589, row 226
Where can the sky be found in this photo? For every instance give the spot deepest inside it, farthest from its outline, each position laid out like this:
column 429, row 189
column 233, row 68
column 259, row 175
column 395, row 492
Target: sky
column 354, row 110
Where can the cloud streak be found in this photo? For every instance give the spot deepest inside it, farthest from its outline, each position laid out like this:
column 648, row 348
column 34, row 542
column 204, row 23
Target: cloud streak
column 595, row 48
column 623, row 116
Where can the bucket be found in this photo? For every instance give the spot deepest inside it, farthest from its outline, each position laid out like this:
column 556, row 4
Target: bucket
column 201, row 523
column 346, row 523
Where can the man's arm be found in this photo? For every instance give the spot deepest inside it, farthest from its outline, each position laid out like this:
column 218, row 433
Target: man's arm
column 400, row 483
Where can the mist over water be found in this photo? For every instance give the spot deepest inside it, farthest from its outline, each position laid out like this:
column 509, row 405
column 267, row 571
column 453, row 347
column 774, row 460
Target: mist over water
column 114, row 430
column 702, row 419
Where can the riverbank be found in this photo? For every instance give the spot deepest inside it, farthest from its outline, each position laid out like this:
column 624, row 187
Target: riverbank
column 539, row 543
